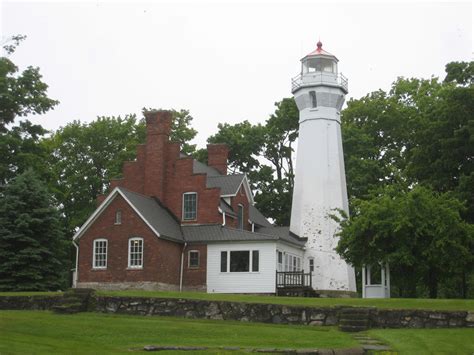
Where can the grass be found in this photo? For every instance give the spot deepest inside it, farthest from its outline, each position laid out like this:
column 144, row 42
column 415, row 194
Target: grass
column 427, row 341
column 40, row 332
column 32, row 293
column 393, row 303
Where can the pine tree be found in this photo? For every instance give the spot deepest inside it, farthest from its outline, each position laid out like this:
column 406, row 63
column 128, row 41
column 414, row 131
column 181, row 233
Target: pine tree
column 32, row 245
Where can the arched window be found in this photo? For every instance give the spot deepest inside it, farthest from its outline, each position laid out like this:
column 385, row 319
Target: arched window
column 118, row 217
column 135, row 253
column 99, row 256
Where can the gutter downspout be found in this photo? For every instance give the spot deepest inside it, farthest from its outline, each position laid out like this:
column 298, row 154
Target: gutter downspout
column 76, row 276
column 182, row 267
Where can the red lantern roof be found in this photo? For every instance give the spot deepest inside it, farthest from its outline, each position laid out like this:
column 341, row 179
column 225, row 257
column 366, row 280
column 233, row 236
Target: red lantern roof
column 320, row 51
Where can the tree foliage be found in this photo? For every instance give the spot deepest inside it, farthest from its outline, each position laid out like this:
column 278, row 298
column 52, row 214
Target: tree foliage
column 264, row 153
column 418, row 232
column 409, row 157
column 85, row 156
column 22, row 93
column 32, row 248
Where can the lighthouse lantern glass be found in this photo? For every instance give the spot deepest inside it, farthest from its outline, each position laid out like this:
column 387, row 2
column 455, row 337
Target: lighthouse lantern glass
column 319, row 65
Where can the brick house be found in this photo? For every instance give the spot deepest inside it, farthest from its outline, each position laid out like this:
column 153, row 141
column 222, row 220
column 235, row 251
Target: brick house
column 173, row 223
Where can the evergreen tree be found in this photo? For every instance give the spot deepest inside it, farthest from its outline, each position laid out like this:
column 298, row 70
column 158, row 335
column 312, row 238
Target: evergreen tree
column 32, row 247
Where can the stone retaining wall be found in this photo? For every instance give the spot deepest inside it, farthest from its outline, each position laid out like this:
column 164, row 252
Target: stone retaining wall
column 271, row 313
column 248, row 312
column 39, row 303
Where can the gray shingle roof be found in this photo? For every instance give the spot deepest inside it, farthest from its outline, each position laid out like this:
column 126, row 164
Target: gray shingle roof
column 257, row 217
column 229, row 184
column 218, row 233
column 156, row 215
column 283, row 233
column 200, row 168
column 226, row 208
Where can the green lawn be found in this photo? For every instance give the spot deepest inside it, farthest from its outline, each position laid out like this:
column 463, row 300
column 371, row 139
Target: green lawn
column 41, row 332
column 427, row 341
column 31, row 293
column 395, row 303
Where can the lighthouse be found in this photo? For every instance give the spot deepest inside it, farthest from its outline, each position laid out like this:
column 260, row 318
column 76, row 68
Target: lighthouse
column 320, row 182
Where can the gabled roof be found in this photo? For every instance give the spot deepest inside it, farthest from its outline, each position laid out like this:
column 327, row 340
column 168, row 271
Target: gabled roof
column 163, row 224
column 257, row 217
column 148, row 209
column 229, row 184
column 157, row 216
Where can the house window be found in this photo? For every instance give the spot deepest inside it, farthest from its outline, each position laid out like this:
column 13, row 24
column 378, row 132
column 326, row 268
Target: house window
column 280, row 261
column 135, row 253
column 240, row 261
column 223, row 261
column 100, row 254
column 255, row 255
column 193, row 259
column 287, row 262
column 240, row 217
column 312, row 95
column 118, row 217
column 189, row 206
column 311, row 264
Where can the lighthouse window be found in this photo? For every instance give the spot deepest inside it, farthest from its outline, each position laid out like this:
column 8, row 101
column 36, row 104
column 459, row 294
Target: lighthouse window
column 312, row 95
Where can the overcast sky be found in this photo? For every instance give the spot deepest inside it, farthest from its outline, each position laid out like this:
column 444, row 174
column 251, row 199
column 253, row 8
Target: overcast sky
column 225, row 62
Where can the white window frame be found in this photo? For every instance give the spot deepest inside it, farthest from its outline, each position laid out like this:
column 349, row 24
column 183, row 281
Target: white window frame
column 250, row 251
column 94, row 253
column 182, row 211
column 118, row 217
column 189, row 259
column 311, row 264
column 280, row 264
column 130, row 240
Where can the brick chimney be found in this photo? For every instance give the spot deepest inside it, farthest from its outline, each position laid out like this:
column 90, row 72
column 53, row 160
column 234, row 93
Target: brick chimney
column 217, row 157
column 158, row 128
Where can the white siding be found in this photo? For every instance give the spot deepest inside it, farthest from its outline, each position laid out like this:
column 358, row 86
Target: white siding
column 262, row 281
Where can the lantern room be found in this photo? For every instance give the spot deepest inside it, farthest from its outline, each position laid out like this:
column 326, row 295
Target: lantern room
column 319, row 61
column 319, row 68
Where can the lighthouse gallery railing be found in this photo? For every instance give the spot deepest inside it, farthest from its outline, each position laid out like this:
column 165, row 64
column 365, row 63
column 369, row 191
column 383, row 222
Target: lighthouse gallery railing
column 321, row 77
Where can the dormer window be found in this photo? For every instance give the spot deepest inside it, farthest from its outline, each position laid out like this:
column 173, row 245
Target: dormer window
column 189, row 206
column 118, row 217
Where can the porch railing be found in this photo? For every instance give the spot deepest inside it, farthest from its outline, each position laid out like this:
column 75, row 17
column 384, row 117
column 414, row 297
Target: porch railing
column 292, row 279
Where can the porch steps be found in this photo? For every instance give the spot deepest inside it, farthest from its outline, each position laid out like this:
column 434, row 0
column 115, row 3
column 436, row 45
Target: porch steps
column 74, row 300
column 354, row 319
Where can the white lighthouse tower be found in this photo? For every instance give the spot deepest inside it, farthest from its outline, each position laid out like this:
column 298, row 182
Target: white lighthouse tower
column 320, row 182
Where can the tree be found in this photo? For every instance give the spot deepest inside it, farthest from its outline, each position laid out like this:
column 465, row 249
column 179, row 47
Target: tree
column 84, row 157
column 418, row 232
column 264, row 153
column 22, row 93
column 20, row 150
column 32, row 248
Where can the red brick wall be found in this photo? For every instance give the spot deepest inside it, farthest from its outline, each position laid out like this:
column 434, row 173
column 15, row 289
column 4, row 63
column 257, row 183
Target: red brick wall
column 195, row 276
column 217, row 155
column 161, row 258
